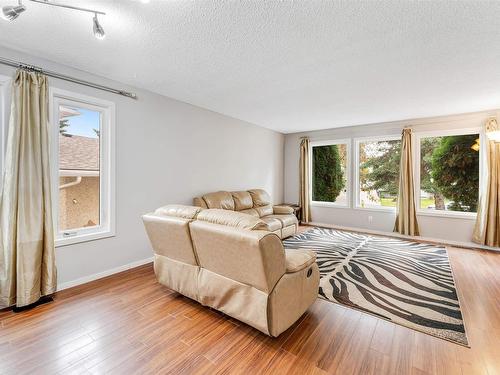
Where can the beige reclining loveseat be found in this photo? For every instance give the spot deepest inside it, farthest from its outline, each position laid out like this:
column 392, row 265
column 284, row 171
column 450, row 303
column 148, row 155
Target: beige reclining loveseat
column 231, row 262
column 256, row 202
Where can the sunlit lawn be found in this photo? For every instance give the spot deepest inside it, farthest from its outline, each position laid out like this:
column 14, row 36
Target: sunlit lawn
column 388, row 202
column 426, row 202
column 391, row 202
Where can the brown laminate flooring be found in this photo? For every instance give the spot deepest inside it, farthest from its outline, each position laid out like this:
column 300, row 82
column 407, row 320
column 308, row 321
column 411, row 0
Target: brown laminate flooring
column 129, row 324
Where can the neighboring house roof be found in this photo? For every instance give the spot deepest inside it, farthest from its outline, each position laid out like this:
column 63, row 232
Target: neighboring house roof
column 67, row 112
column 78, row 153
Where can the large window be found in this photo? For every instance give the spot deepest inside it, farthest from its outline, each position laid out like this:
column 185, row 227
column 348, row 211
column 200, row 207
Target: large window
column 330, row 173
column 377, row 172
column 82, row 149
column 449, row 171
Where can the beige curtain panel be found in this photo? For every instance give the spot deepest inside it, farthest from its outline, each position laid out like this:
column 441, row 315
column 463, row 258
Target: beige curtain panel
column 406, row 215
column 27, row 264
column 487, row 229
column 304, row 181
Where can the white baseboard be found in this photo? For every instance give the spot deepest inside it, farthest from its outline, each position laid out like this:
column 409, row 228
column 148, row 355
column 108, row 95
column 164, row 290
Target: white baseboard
column 100, row 275
column 465, row 245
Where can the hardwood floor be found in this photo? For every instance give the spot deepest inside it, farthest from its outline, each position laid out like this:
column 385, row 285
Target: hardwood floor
column 129, row 324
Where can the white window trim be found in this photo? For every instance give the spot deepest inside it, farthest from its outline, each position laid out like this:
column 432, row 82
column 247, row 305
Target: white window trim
column 107, row 164
column 357, row 187
column 417, row 136
column 4, row 120
column 347, row 142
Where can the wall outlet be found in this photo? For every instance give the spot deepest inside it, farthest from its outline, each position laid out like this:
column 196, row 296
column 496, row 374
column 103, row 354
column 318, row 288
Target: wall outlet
column 370, row 219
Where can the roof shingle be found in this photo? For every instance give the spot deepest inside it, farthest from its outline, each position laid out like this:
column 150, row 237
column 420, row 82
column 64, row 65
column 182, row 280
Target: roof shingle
column 78, row 153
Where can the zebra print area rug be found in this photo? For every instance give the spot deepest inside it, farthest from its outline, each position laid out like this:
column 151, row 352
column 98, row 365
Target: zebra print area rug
column 405, row 282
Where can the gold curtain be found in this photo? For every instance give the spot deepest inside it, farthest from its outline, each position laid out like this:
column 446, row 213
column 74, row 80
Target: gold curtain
column 487, row 228
column 406, row 216
column 27, row 256
column 304, row 181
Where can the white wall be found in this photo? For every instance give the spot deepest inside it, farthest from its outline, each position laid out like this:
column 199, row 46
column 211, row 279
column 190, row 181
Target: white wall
column 451, row 229
column 166, row 152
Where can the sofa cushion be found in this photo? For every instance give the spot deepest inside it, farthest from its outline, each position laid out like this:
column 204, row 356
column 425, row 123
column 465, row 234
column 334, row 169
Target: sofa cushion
column 285, row 219
column 178, row 210
column 250, row 211
column 219, row 199
column 242, row 200
column 288, row 231
column 199, row 202
column 232, row 219
column 272, row 223
column 264, row 210
column 298, row 259
column 282, row 210
column 260, row 197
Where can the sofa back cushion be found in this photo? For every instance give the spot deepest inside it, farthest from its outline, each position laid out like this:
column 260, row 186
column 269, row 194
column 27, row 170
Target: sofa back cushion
column 199, row 202
column 260, row 197
column 232, row 219
column 242, row 200
column 178, row 210
column 170, row 237
column 219, row 199
column 251, row 257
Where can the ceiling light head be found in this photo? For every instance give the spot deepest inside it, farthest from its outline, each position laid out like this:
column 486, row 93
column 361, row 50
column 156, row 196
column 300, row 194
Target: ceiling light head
column 98, row 30
column 11, row 12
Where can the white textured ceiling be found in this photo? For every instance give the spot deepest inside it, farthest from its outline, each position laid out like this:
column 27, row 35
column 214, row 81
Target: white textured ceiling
column 286, row 65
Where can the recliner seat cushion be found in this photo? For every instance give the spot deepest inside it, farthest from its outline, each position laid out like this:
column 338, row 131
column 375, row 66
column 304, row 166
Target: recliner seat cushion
column 287, row 220
column 220, row 199
column 242, row 200
column 260, row 197
column 288, row 231
column 272, row 223
column 250, row 211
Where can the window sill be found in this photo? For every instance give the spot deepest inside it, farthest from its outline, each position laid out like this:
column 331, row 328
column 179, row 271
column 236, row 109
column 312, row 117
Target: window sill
column 449, row 214
column 84, row 237
column 377, row 209
column 328, row 204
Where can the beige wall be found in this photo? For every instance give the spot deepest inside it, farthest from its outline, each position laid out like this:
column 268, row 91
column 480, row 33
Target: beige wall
column 78, row 204
column 167, row 151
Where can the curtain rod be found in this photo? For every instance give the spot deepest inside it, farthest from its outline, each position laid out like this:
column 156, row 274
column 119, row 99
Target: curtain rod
column 33, row 68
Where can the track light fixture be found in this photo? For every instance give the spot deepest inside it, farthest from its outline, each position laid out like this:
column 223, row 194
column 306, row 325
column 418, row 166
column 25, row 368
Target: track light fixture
column 98, row 30
column 11, row 12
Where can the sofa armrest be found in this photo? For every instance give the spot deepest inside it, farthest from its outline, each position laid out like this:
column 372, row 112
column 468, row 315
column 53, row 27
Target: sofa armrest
column 298, row 259
column 282, row 210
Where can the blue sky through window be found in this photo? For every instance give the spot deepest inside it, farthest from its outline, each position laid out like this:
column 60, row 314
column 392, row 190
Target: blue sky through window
column 83, row 123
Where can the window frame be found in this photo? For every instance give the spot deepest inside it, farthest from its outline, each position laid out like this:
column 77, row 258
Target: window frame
column 107, row 165
column 312, row 144
column 417, row 137
column 357, row 185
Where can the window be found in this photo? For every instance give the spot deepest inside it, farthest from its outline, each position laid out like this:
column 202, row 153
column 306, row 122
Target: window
column 449, row 171
column 377, row 172
column 83, row 157
column 330, row 173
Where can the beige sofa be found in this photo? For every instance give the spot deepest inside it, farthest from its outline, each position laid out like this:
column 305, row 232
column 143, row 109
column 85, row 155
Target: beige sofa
column 256, row 202
column 231, row 262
